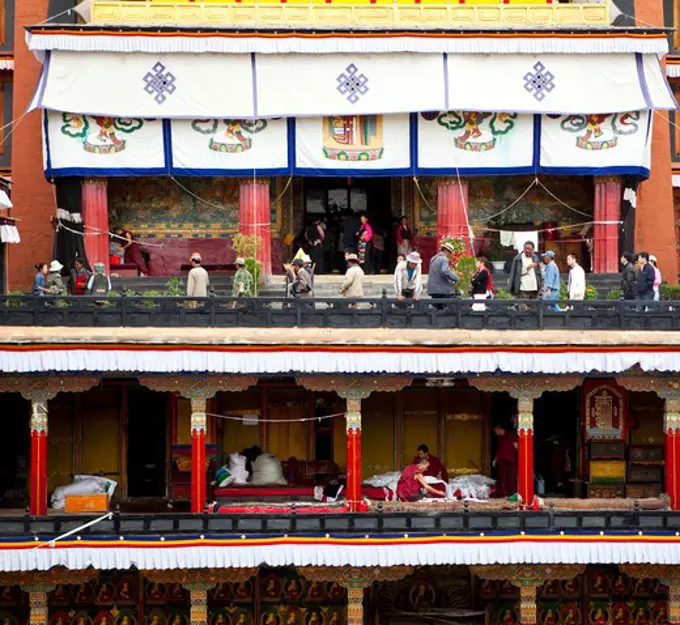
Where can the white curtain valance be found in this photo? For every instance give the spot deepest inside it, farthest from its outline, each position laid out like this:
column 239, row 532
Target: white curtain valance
column 198, row 86
column 426, row 144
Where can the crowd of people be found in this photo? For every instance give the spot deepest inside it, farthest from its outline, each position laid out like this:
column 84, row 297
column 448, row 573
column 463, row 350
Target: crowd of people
column 49, row 279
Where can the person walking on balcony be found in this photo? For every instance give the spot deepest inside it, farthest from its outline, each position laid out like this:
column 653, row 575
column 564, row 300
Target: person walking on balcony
column 645, row 277
column 526, row 281
column 198, row 279
column 79, row 278
column 99, row 283
column 40, row 280
column 408, row 278
column 243, row 280
column 657, row 276
column 441, row 281
column 365, row 244
column 300, row 279
column 577, row 279
column 353, row 285
column 628, row 279
column 551, row 278
column 54, row 281
column 479, row 285
column 314, row 239
column 404, row 237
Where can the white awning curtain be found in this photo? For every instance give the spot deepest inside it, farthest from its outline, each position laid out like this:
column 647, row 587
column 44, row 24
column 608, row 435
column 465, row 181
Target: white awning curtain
column 246, row 552
column 280, row 360
column 206, row 86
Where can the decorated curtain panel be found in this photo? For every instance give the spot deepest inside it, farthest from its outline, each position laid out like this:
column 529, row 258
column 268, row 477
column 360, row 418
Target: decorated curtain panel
column 425, row 144
column 198, row 86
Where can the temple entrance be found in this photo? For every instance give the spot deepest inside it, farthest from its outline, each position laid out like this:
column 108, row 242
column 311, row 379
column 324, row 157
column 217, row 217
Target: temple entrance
column 339, row 202
column 146, row 442
column 14, row 451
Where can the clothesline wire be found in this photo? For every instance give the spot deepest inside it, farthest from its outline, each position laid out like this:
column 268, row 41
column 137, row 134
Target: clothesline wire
column 250, row 419
column 98, row 232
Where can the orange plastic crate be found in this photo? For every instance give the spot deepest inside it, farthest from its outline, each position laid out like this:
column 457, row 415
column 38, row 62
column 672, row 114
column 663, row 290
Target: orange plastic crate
column 87, row 503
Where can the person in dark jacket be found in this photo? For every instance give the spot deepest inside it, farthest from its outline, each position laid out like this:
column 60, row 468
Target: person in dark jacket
column 441, row 281
column 628, row 278
column 526, row 279
column 645, row 277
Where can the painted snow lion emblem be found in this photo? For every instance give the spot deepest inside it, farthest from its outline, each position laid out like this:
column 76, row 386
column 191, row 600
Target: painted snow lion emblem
column 99, row 135
column 236, row 135
column 600, row 131
column 475, row 131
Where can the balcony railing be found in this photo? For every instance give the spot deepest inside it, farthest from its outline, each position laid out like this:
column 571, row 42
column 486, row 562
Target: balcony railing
column 377, row 522
column 449, row 14
column 263, row 312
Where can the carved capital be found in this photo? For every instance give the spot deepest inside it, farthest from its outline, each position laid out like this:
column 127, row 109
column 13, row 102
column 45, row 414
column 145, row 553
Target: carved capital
column 528, row 575
column 46, row 579
column 199, row 602
column 198, row 386
column 451, row 181
column 666, row 387
column 354, row 576
column 353, row 415
column 525, row 387
column 352, row 387
column 45, row 388
column 607, row 179
column 527, row 605
column 39, row 417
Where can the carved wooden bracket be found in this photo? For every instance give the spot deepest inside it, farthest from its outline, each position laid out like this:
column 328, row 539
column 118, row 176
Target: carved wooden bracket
column 354, row 576
column 46, row 580
column 201, row 387
column 525, row 387
column 669, row 573
column 352, row 387
column 45, row 388
column 666, row 387
column 528, row 575
column 209, row 577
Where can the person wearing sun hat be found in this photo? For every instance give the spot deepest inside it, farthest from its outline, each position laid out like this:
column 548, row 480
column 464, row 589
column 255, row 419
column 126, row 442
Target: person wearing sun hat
column 198, row 279
column 243, row 280
column 54, row 281
column 408, row 278
column 441, row 281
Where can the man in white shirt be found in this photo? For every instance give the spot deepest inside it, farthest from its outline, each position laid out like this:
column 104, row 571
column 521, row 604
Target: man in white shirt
column 526, row 280
column 577, row 279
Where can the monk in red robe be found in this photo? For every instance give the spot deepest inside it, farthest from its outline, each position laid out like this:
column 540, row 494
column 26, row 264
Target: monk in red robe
column 412, row 485
column 506, row 461
column 435, row 467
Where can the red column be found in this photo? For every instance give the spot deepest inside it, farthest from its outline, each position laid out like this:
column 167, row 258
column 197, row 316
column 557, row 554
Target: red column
column 525, row 452
column 198, row 468
column 353, row 424
column 671, row 426
column 255, row 218
column 608, row 197
column 38, row 475
column 452, row 209
column 96, row 220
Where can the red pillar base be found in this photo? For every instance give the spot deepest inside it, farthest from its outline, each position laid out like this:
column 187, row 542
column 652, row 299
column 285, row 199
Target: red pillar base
column 452, row 210
column 198, row 472
column 608, row 198
column 255, row 219
column 96, row 220
column 38, row 480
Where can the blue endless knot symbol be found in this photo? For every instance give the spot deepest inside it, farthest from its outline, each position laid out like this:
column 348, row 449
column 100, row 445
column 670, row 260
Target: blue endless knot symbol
column 351, row 84
column 540, row 82
column 160, row 83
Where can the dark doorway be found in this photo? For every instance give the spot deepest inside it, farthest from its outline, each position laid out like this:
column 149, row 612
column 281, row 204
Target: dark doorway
column 147, row 447
column 339, row 202
column 14, row 451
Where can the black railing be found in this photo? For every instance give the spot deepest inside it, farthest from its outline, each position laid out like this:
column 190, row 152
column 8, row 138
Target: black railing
column 377, row 522
column 225, row 312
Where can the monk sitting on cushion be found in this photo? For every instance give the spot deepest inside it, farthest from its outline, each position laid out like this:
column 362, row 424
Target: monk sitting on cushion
column 435, row 468
column 413, row 486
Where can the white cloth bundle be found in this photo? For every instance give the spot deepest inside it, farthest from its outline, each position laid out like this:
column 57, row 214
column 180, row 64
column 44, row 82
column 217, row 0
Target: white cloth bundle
column 237, row 467
column 267, row 470
column 472, row 486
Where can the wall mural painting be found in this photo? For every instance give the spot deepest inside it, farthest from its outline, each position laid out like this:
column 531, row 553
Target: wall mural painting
column 353, row 138
column 229, row 136
column 232, row 603
column 13, row 606
column 474, row 131
column 100, row 135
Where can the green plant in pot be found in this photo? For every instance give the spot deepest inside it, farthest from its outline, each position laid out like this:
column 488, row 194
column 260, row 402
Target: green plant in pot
column 463, row 263
column 247, row 247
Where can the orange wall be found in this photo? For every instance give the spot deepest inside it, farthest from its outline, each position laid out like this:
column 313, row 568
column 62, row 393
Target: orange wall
column 31, row 193
column 655, row 216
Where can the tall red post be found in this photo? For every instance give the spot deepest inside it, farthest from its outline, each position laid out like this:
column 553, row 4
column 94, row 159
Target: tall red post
column 607, row 211
column 525, row 452
column 452, row 209
column 255, row 218
column 96, row 221
column 198, row 466
column 671, row 427
column 353, row 425
column 38, row 475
